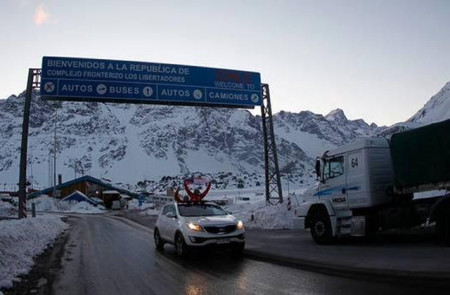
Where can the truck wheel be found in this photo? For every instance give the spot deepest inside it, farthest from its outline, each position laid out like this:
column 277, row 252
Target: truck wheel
column 159, row 243
column 180, row 246
column 321, row 228
column 371, row 227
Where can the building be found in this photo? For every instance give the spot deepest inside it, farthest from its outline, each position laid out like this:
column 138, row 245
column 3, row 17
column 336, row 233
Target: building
column 87, row 185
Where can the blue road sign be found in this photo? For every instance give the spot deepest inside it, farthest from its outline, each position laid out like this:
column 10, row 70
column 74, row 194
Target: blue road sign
column 112, row 80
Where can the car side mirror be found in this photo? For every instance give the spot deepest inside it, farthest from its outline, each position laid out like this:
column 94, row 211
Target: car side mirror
column 171, row 215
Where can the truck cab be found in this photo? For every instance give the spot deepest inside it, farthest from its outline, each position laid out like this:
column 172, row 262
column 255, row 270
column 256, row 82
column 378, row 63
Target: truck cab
column 369, row 185
column 350, row 178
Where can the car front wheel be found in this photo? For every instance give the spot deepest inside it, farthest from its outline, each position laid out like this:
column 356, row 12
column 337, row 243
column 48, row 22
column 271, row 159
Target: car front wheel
column 159, row 243
column 180, row 246
column 237, row 249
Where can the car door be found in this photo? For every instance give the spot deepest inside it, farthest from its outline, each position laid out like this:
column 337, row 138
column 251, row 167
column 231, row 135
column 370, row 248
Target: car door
column 163, row 221
column 172, row 222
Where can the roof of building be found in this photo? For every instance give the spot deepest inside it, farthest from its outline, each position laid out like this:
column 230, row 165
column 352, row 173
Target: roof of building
column 79, row 197
column 85, row 178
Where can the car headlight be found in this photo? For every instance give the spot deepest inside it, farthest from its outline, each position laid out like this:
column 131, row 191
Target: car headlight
column 194, row 226
column 240, row 225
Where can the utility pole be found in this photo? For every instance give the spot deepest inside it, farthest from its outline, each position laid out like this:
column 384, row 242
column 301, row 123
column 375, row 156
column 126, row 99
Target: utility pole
column 54, row 153
column 33, row 82
column 31, row 171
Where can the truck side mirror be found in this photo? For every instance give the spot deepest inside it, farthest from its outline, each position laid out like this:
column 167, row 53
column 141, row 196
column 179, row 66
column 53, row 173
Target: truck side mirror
column 318, row 168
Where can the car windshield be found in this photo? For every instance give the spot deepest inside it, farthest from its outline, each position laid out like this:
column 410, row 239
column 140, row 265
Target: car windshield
column 188, row 210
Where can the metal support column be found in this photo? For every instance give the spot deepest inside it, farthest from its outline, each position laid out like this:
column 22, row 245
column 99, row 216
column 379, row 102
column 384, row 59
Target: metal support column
column 274, row 194
column 33, row 82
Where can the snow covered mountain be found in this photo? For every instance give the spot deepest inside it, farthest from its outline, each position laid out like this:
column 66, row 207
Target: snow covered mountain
column 316, row 133
column 130, row 144
column 436, row 109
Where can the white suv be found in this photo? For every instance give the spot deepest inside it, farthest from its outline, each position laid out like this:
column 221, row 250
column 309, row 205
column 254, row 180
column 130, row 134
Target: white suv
column 196, row 224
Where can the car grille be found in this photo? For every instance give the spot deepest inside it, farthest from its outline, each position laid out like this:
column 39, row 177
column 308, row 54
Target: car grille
column 220, row 229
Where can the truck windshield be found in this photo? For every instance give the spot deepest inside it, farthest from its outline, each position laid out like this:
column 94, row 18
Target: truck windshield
column 333, row 167
column 189, row 210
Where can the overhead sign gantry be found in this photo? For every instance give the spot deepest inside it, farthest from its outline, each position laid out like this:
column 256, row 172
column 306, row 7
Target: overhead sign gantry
column 100, row 80
column 127, row 81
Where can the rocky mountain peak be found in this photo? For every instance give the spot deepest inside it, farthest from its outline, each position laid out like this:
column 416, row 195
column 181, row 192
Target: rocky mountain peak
column 336, row 115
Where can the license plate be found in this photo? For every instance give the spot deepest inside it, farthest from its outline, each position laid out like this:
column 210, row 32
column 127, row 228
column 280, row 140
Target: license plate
column 223, row 241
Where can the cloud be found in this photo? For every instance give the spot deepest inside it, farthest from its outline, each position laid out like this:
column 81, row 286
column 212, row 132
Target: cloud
column 41, row 15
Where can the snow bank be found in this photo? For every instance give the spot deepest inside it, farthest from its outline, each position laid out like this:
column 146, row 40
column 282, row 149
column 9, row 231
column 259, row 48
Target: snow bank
column 21, row 240
column 249, row 205
column 148, row 211
column 146, row 208
column 133, row 204
column 7, row 209
column 259, row 216
column 48, row 204
column 43, row 204
column 81, row 207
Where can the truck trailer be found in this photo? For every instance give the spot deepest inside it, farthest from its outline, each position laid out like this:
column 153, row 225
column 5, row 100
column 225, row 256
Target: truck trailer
column 370, row 185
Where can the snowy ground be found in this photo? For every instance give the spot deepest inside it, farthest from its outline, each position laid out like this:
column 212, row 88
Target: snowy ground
column 21, row 240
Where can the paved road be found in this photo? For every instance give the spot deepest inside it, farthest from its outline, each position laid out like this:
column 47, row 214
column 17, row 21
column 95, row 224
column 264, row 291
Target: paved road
column 407, row 255
column 111, row 255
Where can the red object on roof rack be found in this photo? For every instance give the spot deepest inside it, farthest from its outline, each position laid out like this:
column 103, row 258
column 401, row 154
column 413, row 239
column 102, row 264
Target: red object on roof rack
column 195, row 196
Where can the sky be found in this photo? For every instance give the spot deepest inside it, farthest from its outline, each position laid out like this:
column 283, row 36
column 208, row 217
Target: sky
column 378, row 60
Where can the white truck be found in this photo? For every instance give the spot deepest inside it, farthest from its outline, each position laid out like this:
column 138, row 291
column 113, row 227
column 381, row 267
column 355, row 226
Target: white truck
column 369, row 185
